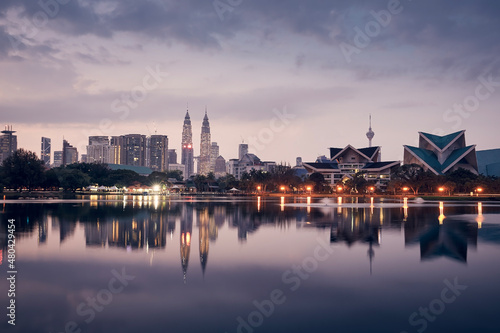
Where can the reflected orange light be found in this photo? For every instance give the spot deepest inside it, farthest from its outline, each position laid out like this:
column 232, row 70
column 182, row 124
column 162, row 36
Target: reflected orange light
column 441, row 212
column 282, row 204
column 480, row 217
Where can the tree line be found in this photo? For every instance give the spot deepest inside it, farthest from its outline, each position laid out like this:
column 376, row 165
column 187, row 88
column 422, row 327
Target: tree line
column 23, row 170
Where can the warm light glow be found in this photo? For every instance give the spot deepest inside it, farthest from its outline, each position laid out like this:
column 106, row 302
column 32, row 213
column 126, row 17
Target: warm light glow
column 258, row 204
column 479, row 189
column 339, row 188
column 258, row 188
column 480, row 217
column 282, row 204
column 441, row 212
column 156, row 188
column 309, row 188
column 441, row 189
column 405, row 208
column 308, row 205
column 405, row 189
column 371, row 188
column 282, row 188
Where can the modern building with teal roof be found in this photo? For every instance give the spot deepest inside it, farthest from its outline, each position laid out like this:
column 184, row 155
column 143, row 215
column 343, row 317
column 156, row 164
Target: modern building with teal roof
column 489, row 162
column 442, row 154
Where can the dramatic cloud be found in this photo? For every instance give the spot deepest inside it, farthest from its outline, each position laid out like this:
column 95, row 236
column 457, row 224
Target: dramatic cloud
column 327, row 62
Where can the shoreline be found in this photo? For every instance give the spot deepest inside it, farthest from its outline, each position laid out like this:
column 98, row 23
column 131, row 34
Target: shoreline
column 55, row 195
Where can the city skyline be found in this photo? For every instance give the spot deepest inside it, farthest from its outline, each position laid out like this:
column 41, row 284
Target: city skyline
column 307, row 75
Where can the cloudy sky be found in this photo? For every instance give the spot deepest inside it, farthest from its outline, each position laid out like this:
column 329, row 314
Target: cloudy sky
column 292, row 78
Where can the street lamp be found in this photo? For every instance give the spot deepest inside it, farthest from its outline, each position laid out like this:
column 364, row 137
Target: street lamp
column 309, row 188
column 259, row 188
column 339, row 188
column 405, row 189
column 372, row 189
column 282, row 188
column 441, row 189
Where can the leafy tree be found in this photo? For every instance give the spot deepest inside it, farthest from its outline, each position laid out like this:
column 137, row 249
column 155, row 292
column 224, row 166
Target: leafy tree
column 357, row 183
column 177, row 174
column 51, row 180
column 98, row 172
column 411, row 175
column 72, row 179
column 123, row 178
column 227, row 182
column 23, row 169
column 318, row 181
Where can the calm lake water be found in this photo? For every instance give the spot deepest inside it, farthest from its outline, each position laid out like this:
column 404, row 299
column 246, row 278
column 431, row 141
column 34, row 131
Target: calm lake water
column 195, row 264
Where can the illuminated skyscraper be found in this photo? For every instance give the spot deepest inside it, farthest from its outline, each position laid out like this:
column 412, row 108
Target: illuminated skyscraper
column 205, row 146
column 45, row 151
column 158, row 152
column 187, row 147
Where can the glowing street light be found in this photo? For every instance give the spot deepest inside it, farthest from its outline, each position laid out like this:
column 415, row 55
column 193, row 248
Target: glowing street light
column 339, row 188
column 405, row 189
column 441, row 189
column 282, row 188
column 371, row 189
column 259, row 188
column 309, row 188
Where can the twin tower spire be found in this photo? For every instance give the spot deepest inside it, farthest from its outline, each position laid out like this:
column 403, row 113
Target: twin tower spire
column 187, row 155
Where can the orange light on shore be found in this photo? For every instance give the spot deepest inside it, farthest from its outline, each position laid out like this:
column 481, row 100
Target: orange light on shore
column 441, row 189
column 479, row 189
column 371, row 188
column 309, row 188
column 339, row 188
column 282, row 188
column 405, row 189
column 259, row 188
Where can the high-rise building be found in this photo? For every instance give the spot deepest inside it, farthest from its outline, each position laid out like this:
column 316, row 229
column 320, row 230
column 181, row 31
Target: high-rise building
column 58, row 158
column 172, row 156
column 99, row 150
column 8, row 143
column 98, row 140
column 242, row 150
column 117, row 142
column 134, row 149
column 69, row 154
column 205, row 146
column 220, row 167
column 158, row 152
column 45, row 150
column 187, row 157
column 214, row 153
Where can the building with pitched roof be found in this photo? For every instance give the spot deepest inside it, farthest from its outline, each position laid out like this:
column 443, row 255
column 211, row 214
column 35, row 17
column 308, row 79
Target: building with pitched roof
column 442, row 154
column 346, row 162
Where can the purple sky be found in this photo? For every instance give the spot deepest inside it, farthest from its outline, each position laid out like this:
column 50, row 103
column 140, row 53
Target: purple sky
column 69, row 70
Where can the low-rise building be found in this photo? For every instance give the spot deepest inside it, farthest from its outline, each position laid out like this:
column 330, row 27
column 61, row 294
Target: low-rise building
column 346, row 162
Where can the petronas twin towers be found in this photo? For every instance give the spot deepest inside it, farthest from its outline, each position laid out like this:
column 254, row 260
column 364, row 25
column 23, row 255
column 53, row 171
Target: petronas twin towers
column 187, row 157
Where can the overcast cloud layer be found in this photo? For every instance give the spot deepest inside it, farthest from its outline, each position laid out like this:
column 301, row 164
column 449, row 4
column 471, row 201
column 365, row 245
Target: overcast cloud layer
column 69, row 69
